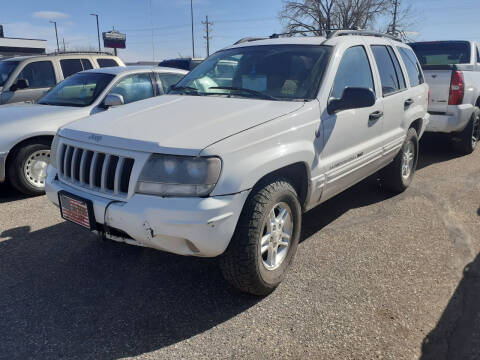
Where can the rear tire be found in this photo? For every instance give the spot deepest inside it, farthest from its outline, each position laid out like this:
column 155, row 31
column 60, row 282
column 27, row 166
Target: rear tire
column 265, row 240
column 465, row 142
column 26, row 169
column 399, row 174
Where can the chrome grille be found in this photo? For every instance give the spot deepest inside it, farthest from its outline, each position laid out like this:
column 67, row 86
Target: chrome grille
column 95, row 170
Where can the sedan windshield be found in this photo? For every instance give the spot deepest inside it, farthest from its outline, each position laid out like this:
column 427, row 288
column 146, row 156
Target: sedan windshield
column 271, row 72
column 81, row 89
column 6, row 68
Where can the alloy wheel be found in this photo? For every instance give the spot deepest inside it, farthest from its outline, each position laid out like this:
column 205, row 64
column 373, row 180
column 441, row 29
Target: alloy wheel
column 276, row 236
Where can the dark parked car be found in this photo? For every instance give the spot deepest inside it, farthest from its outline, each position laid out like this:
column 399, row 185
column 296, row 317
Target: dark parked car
column 182, row 63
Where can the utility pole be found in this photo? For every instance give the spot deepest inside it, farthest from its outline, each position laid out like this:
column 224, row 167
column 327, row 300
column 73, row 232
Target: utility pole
column 64, row 47
column 193, row 39
column 207, row 31
column 151, row 25
column 98, row 33
column 394, row 23
column 56, row 34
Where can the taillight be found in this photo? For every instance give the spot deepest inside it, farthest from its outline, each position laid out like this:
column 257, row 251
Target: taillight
column 428, row 101
column 457, row 89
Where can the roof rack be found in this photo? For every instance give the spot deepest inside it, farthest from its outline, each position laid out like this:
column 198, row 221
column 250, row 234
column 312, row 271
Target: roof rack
column 276, row 36
column 361, row 33
column 248, row 39
column 329, row 34
column 79, row 52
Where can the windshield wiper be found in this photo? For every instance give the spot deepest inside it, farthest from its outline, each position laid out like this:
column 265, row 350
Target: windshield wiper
column 180, row 88
column 248, row 91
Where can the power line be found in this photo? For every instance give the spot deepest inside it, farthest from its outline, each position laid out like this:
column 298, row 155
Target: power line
column 207, row 33
column 178, row 26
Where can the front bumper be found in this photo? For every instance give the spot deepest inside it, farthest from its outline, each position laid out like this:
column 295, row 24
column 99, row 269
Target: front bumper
column 184, row 226
column 454, row 120
column 3, row 161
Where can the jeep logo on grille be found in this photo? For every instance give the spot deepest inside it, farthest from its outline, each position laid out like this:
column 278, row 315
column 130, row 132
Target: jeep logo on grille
column 95, row 137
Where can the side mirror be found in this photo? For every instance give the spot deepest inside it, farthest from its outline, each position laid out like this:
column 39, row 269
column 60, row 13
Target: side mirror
column 20, row 84
column 352, row 98
column 113, row 100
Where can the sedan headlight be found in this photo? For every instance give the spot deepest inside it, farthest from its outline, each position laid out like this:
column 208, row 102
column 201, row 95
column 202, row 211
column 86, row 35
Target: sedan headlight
column 53, row 151
column 171, row 175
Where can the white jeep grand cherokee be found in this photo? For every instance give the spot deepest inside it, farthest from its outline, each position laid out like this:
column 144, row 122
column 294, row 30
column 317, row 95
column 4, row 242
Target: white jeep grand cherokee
column 249, row 140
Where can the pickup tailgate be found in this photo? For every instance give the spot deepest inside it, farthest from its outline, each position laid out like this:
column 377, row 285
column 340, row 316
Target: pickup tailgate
column 439, row 82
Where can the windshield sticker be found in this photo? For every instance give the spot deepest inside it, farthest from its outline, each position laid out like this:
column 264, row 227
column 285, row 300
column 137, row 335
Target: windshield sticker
column 254, row 82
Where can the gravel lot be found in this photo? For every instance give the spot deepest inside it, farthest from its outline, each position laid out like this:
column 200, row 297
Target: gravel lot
column 376, row 276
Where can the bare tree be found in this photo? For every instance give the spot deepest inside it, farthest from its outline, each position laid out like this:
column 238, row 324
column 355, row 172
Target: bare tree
column 402, row 19
column 321, row 16
column 313, row 16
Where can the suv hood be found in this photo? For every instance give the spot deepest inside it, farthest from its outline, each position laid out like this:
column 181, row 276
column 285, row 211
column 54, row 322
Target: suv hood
column 178, row 124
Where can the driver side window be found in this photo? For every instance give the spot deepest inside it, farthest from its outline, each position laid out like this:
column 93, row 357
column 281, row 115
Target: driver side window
column 354, row 71
column 134, row 88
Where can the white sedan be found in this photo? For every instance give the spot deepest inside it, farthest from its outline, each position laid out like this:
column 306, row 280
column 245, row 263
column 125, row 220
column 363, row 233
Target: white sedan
column 27, row 130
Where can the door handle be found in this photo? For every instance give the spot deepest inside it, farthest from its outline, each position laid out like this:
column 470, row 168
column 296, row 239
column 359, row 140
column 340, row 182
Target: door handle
column 408, row 102
column 376, row 115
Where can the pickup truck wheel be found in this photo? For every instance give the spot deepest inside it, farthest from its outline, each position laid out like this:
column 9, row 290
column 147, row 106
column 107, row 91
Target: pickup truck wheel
column 265, row 240
column 399, row 174
column 27, row 169
column 466, row 142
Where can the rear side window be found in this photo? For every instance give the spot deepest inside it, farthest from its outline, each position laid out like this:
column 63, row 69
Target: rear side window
column 386, row 68
column 442, row 52
column 413, row 67
column 354, row 71
column 40, row 74
column 134, row 88
column 70, row 66
column 398, row 68
column 87, row 65
column 106, row 63
column 169, row 80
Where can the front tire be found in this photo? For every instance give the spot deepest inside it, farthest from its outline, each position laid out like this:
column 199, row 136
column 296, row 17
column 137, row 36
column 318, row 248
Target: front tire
column 265, row 240
column 27, row 168
column 399, row 174
column 465, row 142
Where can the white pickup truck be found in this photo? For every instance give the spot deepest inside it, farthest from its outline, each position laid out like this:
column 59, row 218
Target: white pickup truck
column 452, row 69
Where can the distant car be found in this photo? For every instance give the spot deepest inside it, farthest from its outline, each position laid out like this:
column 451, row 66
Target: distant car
column 182, row 63
column 27, row 130
column 27, row 78
column 452, row 70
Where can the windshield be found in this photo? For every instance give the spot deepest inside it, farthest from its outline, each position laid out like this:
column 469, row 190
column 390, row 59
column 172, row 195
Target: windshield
column 81, row 89
column 6, row 68
column 442, row 52
column 273, row 72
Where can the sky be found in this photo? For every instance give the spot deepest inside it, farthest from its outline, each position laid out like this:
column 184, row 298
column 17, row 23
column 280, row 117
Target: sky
column 171, row 24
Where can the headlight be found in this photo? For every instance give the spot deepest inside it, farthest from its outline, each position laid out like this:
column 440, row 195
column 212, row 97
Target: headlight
column 170, row 175
column 53, row 151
